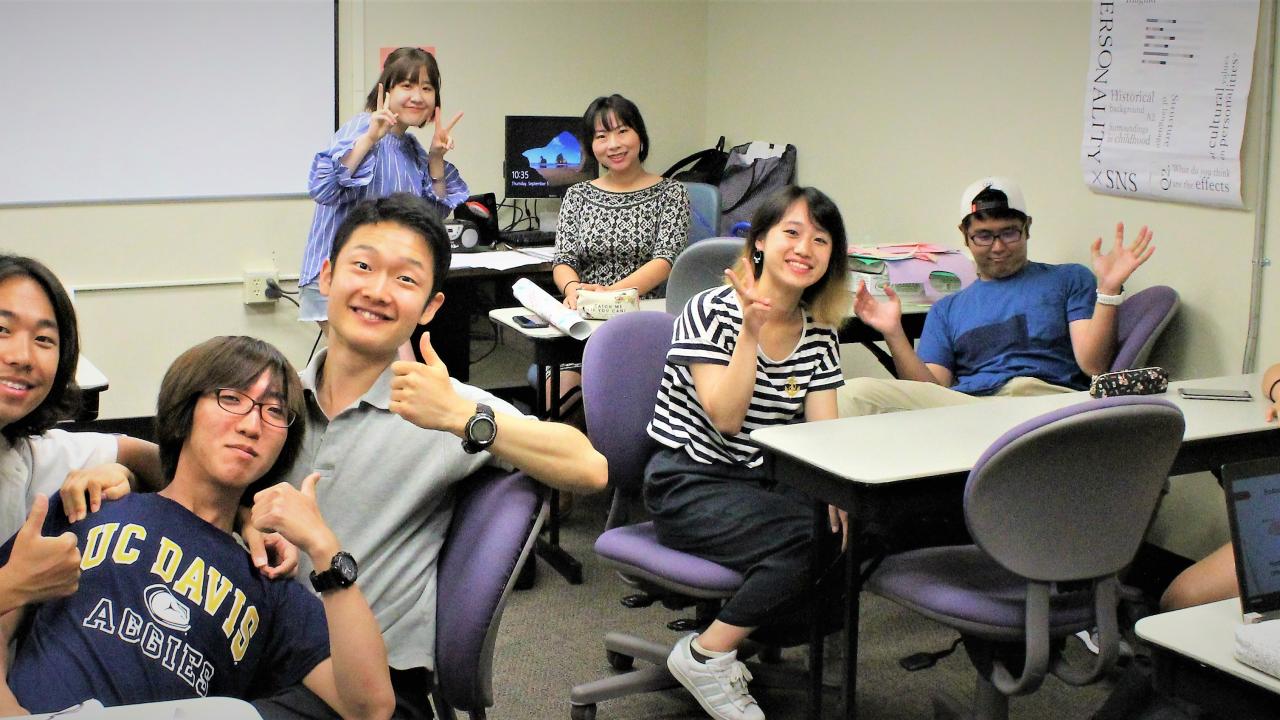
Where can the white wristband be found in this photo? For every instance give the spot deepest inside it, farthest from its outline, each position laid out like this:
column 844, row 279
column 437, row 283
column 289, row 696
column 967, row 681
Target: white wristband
column 1104, row 299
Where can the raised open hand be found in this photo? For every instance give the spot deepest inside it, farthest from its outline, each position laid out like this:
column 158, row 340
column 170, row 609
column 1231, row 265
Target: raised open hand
column 1114, row 268
column 883, row 317
column 381, row 120
column 442, row 139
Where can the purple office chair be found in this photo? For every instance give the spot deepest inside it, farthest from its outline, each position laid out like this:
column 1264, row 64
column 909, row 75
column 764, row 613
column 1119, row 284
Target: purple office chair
column 496, row 520
column 1139, row 323
column 621, row 372
column 1057, row 507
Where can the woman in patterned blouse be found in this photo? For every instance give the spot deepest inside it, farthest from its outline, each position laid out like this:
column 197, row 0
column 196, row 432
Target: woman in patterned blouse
column 625, row 228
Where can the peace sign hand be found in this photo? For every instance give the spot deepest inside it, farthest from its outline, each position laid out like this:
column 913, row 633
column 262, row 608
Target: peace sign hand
column 442, row 139
column 756, row 308
column 382, row 120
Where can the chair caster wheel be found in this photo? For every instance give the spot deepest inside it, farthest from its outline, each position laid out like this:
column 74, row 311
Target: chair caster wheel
column 583, row 712
column 618, row 662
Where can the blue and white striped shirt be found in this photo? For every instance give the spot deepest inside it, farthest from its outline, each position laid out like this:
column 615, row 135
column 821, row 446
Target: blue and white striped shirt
column 397, row 163
column 707, row 332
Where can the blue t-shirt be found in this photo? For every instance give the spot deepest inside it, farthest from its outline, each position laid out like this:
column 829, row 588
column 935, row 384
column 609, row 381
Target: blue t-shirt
column 996, row 330
column 169, row 607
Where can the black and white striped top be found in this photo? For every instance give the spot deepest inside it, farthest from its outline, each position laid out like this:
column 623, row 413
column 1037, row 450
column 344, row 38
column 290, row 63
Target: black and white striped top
column 706, row 332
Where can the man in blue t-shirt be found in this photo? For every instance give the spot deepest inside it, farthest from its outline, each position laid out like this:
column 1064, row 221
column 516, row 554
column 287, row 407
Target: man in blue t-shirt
column 1024, row 328
column 169, row 605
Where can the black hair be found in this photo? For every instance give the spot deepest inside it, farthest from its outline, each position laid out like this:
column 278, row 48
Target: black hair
column 405, row 63
column 605, row 110
column 992, row 195
column 63, row 399
column 231, row 362
column 409, row 211
column 828, row 298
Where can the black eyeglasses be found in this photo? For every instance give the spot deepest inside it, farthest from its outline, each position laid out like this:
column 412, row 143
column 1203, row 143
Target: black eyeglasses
column 237, row 403
column 985, row 238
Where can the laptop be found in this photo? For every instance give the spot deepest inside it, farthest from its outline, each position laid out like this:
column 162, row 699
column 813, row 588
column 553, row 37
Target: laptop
column 1253, row 509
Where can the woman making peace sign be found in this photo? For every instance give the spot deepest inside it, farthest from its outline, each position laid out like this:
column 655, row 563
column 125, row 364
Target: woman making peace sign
column 757, row 352
column 372, row 156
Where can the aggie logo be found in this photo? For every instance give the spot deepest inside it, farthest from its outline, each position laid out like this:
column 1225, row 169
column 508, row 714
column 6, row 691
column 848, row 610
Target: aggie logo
column 167, row 609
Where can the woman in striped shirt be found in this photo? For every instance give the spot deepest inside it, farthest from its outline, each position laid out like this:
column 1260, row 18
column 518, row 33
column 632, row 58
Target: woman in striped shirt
column 757, row 352
column 373, row 156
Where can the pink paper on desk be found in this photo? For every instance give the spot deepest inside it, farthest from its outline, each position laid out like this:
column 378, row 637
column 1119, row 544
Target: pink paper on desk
column 903, row 251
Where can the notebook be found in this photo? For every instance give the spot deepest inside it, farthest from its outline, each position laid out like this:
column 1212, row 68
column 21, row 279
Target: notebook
column 1253, row 508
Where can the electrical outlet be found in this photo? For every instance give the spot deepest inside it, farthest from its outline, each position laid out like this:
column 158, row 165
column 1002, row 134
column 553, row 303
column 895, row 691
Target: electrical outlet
column 255, row 286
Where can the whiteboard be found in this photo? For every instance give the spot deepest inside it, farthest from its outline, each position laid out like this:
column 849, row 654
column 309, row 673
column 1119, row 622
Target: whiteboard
column 113, row 100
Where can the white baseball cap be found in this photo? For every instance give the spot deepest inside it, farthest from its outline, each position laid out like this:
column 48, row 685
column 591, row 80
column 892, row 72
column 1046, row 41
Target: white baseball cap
column 1012, row 193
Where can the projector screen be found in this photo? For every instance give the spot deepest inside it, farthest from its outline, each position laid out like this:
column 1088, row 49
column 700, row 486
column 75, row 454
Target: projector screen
column 128, row 100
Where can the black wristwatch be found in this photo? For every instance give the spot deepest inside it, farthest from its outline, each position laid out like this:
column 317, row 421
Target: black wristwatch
column 341, row 573
column 481, row 430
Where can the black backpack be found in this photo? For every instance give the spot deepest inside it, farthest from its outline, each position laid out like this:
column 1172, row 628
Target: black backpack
column 705, row 166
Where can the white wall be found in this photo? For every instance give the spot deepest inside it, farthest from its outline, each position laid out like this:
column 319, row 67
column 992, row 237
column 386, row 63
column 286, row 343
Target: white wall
column 496, row 58
column 896, row 106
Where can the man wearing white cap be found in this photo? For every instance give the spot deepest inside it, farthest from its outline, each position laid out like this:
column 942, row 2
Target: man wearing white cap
column 1024, row 328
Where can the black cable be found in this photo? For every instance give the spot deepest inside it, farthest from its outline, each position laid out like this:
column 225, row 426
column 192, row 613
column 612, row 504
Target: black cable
column 315, row 345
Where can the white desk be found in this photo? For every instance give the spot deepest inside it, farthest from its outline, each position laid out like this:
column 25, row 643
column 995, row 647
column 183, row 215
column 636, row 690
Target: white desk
column 214, row 707
column 92, row 384
column 878, row 464
column 879, row 449
column 506, row 316
column 1194, row 660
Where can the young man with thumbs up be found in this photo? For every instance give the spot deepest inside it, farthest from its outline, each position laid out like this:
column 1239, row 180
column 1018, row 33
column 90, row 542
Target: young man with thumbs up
column 168, row 605
column 389, row 438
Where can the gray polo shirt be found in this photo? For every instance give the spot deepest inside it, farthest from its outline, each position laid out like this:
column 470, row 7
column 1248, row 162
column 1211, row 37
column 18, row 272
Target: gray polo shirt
column 384, row 490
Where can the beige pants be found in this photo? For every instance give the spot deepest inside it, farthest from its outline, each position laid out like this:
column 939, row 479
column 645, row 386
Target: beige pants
column 873, row 396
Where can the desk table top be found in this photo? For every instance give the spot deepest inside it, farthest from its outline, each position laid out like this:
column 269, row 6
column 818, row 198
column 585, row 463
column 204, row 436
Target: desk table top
column 1205, row 633
column 890, row 448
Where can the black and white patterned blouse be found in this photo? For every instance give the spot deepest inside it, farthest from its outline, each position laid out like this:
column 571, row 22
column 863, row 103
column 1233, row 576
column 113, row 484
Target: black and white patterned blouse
column 605, row 236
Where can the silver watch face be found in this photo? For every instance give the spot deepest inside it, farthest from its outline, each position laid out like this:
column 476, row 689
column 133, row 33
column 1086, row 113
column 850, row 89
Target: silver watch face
column 482, row 430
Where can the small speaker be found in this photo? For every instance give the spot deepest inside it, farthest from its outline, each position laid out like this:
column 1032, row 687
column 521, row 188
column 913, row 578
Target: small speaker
column 463, row 234
column 482, row 211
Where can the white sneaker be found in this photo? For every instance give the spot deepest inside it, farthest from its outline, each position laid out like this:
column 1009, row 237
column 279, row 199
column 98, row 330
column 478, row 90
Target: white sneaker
column 719, row 685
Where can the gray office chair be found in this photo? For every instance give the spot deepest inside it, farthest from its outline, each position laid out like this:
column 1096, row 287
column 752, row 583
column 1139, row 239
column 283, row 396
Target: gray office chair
column 699, row 267
column 704, row 210
column 1057, row 507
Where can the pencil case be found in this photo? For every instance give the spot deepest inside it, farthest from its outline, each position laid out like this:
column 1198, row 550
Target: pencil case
column 1141, row 381
column 604, row 304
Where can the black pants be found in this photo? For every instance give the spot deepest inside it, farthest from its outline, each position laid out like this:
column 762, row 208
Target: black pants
column 737, row 517
column 298, row 703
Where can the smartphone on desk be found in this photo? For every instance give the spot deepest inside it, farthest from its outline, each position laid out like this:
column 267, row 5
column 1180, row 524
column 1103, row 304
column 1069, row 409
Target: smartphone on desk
column 1215, row 394
column 530, row 322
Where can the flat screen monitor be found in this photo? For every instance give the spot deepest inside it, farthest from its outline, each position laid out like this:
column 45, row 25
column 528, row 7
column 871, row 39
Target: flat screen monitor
column 543, row 156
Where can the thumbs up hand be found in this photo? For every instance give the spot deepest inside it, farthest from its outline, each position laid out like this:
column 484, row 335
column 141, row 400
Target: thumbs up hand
column 295, row 515
column 41, row 568
column 423, row 394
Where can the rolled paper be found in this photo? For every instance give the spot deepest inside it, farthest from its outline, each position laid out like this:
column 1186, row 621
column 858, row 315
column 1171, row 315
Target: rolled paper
column 537, row 301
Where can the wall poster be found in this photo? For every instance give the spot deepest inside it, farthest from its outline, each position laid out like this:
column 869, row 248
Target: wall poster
column 1165, row 98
